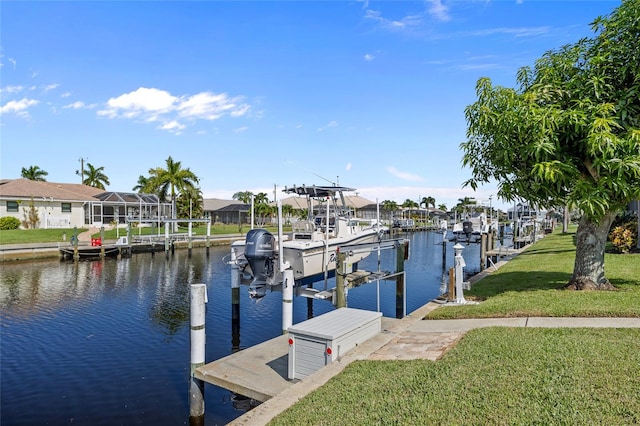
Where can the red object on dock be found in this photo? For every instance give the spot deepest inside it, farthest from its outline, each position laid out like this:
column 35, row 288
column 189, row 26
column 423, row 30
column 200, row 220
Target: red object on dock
column 96, row 242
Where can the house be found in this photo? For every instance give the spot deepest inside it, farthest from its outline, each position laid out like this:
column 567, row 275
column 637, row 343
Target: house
column 66, row 205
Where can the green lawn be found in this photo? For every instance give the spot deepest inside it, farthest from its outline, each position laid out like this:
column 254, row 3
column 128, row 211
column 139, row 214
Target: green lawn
column 26, row 236
column 505, row 376
column 497, row 376
column 531, row 285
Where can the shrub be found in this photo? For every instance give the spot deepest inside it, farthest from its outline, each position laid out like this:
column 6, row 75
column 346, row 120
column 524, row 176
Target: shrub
column 9, row 222
column 623, row 237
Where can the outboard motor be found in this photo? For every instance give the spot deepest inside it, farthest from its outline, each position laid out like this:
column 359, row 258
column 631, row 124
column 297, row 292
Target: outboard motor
column 467, row 229
column 260, row 254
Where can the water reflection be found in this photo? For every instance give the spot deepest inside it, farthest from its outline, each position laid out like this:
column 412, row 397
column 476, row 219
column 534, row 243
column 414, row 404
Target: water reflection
column 107, row 341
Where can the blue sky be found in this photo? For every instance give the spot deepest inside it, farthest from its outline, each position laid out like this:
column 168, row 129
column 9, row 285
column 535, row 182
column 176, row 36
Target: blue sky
column 252, row 94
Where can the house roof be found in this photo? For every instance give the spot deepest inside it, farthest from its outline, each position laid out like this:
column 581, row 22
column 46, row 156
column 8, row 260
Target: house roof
column 25, row 188
column 213, row 204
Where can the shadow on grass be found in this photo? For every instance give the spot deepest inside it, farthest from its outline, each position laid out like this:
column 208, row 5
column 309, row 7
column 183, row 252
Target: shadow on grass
column 494, row 285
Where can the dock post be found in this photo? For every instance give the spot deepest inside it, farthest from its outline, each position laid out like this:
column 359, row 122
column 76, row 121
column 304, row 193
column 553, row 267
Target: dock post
column 459, row 265
column 235, row 303
column 341, row 300
column 444, row 249
column 287, row 299
column 198, row 300
column 189, row 240
column 166, row 239
column 402, row 252
column 74, row 241
column 483, row 252
column 208, row 242
column 452, row 285
column 102, row 242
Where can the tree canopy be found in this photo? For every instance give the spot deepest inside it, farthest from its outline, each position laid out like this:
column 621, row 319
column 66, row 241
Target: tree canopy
column 34, row 173
column 94, row 176
column 569, row 134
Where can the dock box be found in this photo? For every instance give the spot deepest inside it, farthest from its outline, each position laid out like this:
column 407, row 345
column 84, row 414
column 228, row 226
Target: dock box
column 319, row 341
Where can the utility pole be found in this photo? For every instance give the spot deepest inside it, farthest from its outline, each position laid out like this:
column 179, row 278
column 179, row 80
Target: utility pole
column 81, row 159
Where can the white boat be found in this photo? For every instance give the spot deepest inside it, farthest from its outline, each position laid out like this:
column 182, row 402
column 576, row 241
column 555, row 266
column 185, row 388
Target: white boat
column 472, row 227
column 311, row 248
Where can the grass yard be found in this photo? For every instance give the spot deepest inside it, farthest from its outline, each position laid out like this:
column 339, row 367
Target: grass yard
column 493, row 376
column 531, row 285
column 27, row 236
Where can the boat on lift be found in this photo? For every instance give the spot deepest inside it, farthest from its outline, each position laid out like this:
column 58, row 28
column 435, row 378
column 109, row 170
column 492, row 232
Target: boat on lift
column 310, row 249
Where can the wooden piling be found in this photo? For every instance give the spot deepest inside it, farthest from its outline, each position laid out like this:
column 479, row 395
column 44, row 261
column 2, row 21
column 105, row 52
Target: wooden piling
column 452, row 285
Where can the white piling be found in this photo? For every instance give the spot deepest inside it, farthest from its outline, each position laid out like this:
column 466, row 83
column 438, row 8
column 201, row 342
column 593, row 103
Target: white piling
column 198, row 300
column 287, row 279
column 287, row 300
column 459, row 265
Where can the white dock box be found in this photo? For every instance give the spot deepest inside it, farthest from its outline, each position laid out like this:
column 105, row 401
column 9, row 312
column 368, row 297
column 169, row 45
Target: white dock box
column 317, row 342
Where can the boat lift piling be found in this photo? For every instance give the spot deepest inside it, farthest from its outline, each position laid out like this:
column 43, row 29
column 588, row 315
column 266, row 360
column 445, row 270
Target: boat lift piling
column 198, row 300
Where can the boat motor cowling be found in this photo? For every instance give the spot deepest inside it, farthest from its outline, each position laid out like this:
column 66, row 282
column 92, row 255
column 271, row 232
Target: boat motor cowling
column 259, row 252
column 467, row 228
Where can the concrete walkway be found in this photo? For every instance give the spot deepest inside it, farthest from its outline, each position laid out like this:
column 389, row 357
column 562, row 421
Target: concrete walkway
column 412, row 338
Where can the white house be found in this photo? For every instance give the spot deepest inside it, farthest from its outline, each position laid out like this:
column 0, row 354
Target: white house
column 65, row 205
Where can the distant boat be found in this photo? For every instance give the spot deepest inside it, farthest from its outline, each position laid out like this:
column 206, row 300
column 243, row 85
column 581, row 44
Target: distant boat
column 312, row 246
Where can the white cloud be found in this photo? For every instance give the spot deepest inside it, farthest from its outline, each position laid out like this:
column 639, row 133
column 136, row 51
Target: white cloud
column 18, row 107
column 241, row 129
column 332, row 123
column 79, row 105
column 152, row 105
column 409, row 21
column 65, row 95
column 50, row 87
column 173, row 127
column 439, row 10
column 516, row 31
column 369, row 57
column 348, row 167
column 11, row 89
column 404, row 175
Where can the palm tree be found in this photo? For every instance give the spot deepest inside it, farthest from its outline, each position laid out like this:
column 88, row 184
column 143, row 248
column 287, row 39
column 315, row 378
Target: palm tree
column 172, row 180
column 389, row 206
column 144, row 185
column 34, row 173
column 428, row 201
column 190, row 203
column 94, row 176
column 243, row 196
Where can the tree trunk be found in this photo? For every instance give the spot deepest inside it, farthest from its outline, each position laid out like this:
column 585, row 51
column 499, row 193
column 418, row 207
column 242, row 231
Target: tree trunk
column 588, row 270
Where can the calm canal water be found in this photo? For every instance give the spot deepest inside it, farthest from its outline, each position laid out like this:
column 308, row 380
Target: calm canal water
column 107, row 342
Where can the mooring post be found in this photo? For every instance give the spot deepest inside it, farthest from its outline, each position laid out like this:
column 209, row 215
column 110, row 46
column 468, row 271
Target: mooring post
column 189, row 240
column 402, row 252
column 102, row 241
column 166, row 239
column 287, row 299
column 444, row 249
column 208, row 241
column 459, row 265
column 198, row 339
column 341, row 300
column 483, row 251
column 235, row 303
column 74, row 241
column 452, row 285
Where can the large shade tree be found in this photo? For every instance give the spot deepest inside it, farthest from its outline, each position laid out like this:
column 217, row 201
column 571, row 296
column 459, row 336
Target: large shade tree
column 34, row 173
column 569, row 134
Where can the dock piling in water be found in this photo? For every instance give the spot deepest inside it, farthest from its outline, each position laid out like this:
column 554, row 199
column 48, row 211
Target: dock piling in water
column 198, row 298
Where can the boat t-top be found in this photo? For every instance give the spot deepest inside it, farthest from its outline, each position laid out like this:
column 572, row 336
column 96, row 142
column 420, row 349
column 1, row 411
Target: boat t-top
column 310, row 249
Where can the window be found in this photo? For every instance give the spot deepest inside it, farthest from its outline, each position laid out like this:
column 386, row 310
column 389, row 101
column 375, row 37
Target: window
column 12, row 206
column 66, row 207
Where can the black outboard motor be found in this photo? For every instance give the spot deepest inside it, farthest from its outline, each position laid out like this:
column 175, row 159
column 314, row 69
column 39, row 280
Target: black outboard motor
column 260, row 254
column 467, row 229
